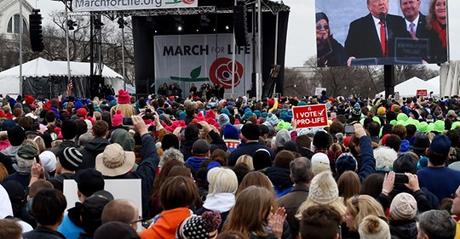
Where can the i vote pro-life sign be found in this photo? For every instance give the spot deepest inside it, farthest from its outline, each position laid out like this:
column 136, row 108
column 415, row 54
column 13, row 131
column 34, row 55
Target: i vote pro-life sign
column 310, row 116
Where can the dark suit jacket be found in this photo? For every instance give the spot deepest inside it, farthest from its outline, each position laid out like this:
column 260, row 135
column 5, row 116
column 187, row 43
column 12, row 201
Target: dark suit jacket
column 436, row 53
column 363, row 41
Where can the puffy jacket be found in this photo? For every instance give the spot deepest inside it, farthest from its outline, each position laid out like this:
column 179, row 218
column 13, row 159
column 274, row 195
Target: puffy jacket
column 166, row 225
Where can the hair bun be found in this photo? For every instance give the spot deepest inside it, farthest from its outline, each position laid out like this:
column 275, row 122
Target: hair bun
column 212, row 220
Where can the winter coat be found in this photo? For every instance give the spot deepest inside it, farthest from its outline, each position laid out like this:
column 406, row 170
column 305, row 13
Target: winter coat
column 280, row 179
column 403, row 229
column 166, row 225
column 91, row 150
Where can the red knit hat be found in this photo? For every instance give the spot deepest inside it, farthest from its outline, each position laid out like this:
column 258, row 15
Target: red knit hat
column 117, row 119
column 82, row 112
column 123, row 97
column 29, row 99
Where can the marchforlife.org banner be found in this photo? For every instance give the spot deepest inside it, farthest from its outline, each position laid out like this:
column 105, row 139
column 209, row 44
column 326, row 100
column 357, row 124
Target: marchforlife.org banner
column 124, row 5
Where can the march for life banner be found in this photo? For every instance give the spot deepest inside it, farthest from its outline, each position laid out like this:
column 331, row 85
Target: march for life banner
column 126, row 5
column 310, row 116
column 199, row 59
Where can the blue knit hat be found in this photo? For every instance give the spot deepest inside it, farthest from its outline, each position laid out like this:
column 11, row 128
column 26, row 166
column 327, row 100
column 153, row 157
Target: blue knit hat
column 345, row 162
column 231, row 132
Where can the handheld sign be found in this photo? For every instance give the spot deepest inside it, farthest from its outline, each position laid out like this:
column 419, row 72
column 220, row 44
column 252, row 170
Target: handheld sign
column 422, row 92
column 310, row 116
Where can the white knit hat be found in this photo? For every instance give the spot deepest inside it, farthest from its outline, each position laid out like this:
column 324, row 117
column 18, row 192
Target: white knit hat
column 384, row 158
column 323, row 189
column 48, row 160
column 403, row 207
column 319, row 163
column 373, row 227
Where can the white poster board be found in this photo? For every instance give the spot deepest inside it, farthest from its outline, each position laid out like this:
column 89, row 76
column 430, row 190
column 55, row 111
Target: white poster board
column 318, row 90
column 129, row 189
column 200, row 59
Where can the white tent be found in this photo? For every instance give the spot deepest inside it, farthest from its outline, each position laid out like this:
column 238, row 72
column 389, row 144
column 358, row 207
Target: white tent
column 39, row 67
column 409, row 88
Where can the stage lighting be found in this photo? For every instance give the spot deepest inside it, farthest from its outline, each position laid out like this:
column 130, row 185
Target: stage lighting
column 227, row 28
column 179, row 28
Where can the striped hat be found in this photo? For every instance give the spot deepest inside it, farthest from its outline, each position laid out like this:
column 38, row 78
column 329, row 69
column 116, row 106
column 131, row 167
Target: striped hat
column 70, row 158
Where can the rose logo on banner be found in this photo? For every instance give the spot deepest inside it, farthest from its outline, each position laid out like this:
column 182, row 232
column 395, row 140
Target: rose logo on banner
column 220, row 72
column 309, row 116
column 188, row 1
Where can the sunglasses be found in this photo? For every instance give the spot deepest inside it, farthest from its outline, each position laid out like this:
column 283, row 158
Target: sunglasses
column 322, row 27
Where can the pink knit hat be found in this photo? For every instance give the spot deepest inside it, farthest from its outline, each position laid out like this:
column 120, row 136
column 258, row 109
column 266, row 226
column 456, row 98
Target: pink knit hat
column 117, row 119
column 123, row 97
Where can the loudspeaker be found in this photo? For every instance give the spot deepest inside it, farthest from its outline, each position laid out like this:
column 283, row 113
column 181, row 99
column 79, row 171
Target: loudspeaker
column 35, row 30
column 240, row 24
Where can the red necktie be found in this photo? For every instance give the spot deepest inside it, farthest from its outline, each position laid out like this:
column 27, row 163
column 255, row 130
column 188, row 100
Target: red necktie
column 383, row 38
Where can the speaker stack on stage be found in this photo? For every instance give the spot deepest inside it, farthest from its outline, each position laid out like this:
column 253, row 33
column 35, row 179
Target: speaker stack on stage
column 240, row 24
column 35, row 30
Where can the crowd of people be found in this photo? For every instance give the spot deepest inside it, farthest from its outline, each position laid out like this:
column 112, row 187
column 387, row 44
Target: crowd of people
column 230, row 168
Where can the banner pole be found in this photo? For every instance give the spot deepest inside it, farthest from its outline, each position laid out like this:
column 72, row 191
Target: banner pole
column 233, row 58
column 21, row 32
column 259, row 51
column 67, row 48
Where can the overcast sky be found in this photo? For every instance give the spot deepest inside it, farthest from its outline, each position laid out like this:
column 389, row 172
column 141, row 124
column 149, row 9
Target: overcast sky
column 301, row 40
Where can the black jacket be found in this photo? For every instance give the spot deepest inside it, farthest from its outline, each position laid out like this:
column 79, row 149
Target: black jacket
column 43, row 233
column 91, row 150
column 249, row 149
column 363, row 40
column 403, row 229
column 331, row 53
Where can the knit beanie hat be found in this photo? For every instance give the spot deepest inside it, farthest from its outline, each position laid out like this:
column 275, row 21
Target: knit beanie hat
column 346, row 162
column 319, row 163
column 323, row 189
column 25, row 157
column 231, row 132
column 373, row 227
column 117, row 119
column 384, row 158
column 381, row 111
column 199, row 227
column 16, row 134
column 70, row 158
column 272, row 119
column 282, row 137
column 223, row 120
column 123, row 97
column 403, row 207
column 322, row 140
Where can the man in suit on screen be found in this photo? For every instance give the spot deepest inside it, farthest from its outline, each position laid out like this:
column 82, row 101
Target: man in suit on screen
column 373, row 36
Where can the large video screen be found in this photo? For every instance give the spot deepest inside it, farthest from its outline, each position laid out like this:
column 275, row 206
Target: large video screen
column 381, row 32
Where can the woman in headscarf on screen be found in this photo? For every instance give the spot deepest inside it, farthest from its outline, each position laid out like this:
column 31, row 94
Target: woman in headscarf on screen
column 329, row 51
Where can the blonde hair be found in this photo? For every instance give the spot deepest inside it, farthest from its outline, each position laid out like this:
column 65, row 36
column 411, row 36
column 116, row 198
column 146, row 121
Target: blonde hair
column 222, row 180
column 360, row 206
column 337, row 204
column 249, row 215
column 247, row 160
column 127, row 110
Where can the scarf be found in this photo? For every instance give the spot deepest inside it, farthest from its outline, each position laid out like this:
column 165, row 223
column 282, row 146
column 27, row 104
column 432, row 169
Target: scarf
column 441, row 32
column 221, row 202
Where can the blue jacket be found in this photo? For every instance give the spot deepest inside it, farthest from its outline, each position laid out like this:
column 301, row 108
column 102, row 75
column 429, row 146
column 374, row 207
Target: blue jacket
column 195, row 162
column 367, row 160
column 69, row 229
column 442, row 182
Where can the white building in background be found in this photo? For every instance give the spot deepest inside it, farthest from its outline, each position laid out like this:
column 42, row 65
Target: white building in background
column 9, row 17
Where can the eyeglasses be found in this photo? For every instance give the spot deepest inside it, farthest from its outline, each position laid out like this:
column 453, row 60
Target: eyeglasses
column 322, row 27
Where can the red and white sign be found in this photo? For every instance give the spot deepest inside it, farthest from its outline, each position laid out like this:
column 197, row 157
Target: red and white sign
column 423, row 92
column 310, row 116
